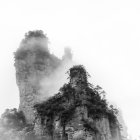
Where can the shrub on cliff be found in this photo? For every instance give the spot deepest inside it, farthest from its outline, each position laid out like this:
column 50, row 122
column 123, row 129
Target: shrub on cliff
column 64, row 104
column 11, row 118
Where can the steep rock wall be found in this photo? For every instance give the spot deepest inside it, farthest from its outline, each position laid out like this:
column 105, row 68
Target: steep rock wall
column 33, row 62
column 75, row 129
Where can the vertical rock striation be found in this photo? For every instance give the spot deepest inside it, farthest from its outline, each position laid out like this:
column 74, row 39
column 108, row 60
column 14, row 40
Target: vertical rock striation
column 77, row 112
column 33, row 62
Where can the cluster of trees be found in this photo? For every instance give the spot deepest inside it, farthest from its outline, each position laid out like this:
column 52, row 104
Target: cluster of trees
column 63, row 105
column 13, row 126
column 13, row 119
column 36, row 33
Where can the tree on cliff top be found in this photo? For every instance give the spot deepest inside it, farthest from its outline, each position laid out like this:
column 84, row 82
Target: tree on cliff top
column 11, row 118
column 63, row 105
column 68, row 99
column 36, row 33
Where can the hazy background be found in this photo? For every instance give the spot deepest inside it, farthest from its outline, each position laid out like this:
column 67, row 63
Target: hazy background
column 104, row 36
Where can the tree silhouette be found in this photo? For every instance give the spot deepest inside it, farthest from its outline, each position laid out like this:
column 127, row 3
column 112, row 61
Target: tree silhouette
column 64, row 103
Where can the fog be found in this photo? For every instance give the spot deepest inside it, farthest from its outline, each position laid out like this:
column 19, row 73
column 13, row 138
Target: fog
column 104, row 37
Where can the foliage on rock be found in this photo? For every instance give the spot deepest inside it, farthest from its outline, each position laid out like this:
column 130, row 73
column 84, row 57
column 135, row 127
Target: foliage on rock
column 63, row 105
column 11, row 118
column 13, row 126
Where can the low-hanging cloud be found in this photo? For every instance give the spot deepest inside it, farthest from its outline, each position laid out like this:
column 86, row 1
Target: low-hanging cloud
column 35, row 65
column 42, row 69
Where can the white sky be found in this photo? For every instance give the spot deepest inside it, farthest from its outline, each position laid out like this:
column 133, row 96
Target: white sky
column 103, row 34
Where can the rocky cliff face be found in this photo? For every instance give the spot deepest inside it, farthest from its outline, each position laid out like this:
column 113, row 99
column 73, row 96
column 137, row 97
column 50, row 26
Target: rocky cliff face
column 33, row 62
column 77, row 112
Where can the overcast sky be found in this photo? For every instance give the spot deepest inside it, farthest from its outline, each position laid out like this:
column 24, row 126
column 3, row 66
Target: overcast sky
column 104, row 36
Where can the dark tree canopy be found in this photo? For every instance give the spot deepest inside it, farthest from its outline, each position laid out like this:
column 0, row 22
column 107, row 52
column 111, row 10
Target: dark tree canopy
column 11, row 118
column 67, row 100
column 36, row 33
column 63, row 106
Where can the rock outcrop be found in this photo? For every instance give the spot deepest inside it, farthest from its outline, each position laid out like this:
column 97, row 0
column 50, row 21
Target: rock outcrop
column 33, row 62
column 77, row 112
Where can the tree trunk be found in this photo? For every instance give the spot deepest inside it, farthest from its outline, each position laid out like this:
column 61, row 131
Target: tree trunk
column 64, row 135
